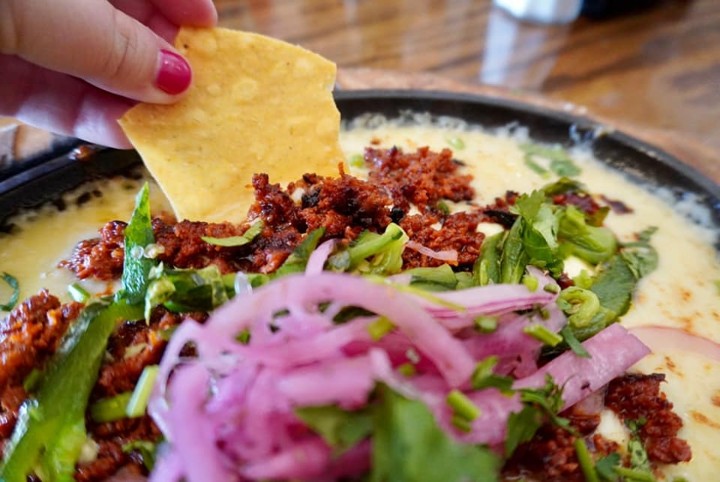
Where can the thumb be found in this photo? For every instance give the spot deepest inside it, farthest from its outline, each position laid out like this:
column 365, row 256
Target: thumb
column 92, row 40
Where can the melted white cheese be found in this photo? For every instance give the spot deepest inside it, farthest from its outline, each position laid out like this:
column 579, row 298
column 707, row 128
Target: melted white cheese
column 43, row 238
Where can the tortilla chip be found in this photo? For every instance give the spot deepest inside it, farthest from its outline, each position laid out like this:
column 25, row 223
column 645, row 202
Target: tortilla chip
column 256, row 105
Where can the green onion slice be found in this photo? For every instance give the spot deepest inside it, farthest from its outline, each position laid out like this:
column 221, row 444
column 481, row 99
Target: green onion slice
column 141, row 395
column 15, row 287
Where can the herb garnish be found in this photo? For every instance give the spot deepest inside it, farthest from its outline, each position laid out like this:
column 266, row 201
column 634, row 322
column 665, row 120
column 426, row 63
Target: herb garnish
column 540, row 404
column 544, row 159
column 234, row 241
column 408, row 445
column 136, row 266
column 12, row 282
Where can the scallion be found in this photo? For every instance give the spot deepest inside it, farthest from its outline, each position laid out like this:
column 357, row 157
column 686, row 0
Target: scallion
column 585, row 460
column 357, row 161
column 580, row 305
column 635, row 475
column 141, row 395
column 486, row 324
column 78, row 293
column 110, row 409
column 541, row 333
column 461, row 423
column 573, row 343
column 407, row 370
column 530, row 282
column 456, row 143
column 233, row 241
column 551, row 288
column 380, row 327
column 462, row 406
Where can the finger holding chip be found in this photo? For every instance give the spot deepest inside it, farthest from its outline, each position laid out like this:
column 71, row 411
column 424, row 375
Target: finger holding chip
column 256, row 104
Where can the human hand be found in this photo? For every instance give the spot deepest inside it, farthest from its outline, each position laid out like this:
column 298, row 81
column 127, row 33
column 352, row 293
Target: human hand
column 76, row 66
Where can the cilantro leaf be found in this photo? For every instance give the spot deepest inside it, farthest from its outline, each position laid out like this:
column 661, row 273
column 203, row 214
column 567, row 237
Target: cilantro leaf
column 540, row 404
column 513, row 257
column 539, row 226
column 521, row 427
column 543, row 159
column 484, row 377
column 409, row 446
column 605, row 467
column 341, row 429
column 183, row 290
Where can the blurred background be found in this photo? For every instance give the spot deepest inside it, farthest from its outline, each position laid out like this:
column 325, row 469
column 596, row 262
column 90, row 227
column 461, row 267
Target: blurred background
column 654, row 64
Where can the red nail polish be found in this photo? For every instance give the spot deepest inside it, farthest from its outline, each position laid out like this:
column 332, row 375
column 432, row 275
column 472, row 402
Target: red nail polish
column 174, row 74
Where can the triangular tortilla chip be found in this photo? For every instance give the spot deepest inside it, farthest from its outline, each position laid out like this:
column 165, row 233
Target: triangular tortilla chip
column 256, row 104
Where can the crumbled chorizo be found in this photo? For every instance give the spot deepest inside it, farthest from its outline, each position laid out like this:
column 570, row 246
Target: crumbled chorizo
column 421, row 178
column 31, row 333
column 550, row 456
column 29, row 336
column 638, row 397
column 100, row 258
column 458, row 231
column 344, row 206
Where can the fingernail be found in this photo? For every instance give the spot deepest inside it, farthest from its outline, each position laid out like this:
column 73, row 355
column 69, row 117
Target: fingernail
column 174, row 74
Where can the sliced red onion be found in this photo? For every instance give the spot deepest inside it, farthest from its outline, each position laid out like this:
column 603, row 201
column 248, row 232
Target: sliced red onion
column 305, row 460
column 236, row 401
column 346, row 382
column 299, row 292
column 242, row 284
column 509, row 337
column 491, row 426
column 449, row 255
column 319, row 256
column 663, row 339
column 192, row 437
column 168, row 467
column 592, row 405
column 612, row 351
column 482, row 300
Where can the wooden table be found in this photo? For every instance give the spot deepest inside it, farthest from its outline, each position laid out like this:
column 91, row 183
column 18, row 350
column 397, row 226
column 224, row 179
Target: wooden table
column 656, row 70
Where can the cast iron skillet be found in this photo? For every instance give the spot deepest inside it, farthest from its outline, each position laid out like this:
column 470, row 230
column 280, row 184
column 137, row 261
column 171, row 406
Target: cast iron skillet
column 638, row 160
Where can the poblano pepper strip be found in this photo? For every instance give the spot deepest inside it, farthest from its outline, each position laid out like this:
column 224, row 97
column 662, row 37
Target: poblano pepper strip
column 50, row 430
column 486, row 269
column 138, row 235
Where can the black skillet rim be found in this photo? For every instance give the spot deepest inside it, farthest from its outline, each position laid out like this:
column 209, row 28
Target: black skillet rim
column 637, row 159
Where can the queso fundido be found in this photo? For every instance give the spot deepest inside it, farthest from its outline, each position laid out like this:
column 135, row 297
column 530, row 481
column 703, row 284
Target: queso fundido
column 493, row 263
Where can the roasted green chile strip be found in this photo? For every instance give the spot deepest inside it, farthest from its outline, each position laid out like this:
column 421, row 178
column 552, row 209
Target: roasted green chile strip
column 50, row 431
column 138, row 235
